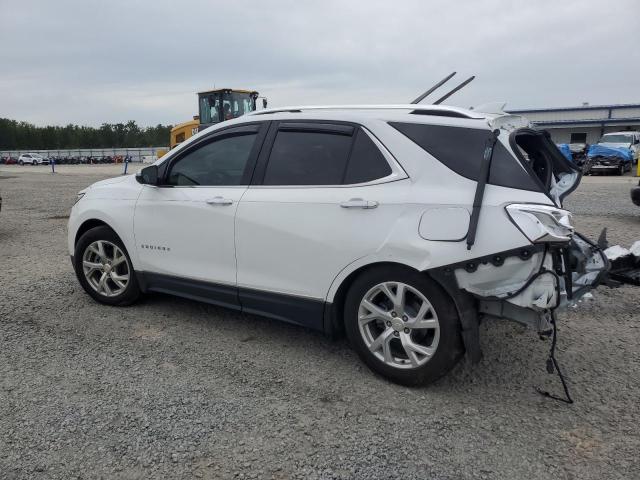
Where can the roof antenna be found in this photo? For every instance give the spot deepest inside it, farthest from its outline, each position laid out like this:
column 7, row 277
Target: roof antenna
column 432, row 89
column 442, row 99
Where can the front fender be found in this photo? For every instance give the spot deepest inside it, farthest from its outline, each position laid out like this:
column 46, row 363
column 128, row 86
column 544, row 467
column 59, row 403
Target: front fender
column 118, row 216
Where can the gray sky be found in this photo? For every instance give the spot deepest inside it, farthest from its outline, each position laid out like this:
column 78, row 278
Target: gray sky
column 90, row 62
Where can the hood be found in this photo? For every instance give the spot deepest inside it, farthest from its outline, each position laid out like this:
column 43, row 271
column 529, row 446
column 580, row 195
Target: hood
column 577, row 147
column 615, row 144
column 602, row 150
column 110, row 181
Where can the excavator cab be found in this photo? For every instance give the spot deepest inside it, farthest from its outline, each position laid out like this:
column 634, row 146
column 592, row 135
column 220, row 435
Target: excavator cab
column 224, row 104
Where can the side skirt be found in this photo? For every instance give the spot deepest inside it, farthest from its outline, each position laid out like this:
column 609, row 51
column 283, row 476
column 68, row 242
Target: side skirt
column 306, row 312
column 216, row 294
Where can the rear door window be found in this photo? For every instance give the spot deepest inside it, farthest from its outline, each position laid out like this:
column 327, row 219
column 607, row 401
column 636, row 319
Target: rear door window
column 323, row 154
column 308, row 158
column 366, row 162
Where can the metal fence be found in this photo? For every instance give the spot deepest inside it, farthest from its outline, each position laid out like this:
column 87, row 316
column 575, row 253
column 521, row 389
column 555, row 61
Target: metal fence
column 135, row 154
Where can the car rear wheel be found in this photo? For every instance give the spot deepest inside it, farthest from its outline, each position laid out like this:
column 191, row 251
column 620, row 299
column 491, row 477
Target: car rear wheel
column 403, row 325
column 104, row 268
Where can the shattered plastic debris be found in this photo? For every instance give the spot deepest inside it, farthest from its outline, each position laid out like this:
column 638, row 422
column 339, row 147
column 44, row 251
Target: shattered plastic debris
column 616, row 251
column 635, row 248
column 587, row 297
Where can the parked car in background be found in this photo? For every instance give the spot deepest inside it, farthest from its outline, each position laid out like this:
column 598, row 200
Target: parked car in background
column 32, row 159
column 8, row 160
column 579, row 153
column 355, row 219
column 602, row 158
column 629, row 140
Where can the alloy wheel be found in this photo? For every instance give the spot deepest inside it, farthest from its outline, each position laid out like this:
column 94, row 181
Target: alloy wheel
column 398, row 325
column 106, row 268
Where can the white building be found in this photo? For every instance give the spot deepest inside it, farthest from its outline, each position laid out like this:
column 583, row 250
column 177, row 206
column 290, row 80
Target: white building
column 584, row 124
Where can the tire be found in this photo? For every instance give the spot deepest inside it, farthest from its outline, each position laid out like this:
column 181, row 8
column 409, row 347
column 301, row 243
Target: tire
column 20, row 162
column 403, row 365
column 107, row 282
column 621, row 169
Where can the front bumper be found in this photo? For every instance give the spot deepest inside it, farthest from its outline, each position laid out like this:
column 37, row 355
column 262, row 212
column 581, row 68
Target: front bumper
column 605, row 167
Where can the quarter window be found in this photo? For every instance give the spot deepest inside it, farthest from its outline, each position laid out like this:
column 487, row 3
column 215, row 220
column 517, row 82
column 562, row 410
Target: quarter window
column 221, row 162
column 461, row 149
column 307, row 158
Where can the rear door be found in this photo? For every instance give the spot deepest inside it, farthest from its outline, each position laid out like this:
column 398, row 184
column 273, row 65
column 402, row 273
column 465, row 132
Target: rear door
column 320, row 201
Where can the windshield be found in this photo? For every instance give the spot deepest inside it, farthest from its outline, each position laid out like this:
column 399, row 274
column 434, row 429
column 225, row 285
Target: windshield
column 616, row 139
column 219, row 106
column 236, row 104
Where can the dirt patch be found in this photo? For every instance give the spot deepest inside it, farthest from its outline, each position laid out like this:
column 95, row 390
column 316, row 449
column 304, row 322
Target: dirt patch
column 148, row 333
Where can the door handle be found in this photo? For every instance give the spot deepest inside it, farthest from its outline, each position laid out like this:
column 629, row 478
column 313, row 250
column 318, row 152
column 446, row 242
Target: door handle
column 359, row 203
column 219, row 201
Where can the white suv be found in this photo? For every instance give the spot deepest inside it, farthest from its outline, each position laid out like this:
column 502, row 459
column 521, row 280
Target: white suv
column 400, row 225
column 32, row 158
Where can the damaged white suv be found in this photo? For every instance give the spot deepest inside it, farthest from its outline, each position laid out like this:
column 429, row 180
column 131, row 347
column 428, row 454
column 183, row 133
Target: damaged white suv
column 400, row 225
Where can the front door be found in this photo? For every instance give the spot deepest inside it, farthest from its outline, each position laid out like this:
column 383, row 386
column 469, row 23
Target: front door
column 184, row 229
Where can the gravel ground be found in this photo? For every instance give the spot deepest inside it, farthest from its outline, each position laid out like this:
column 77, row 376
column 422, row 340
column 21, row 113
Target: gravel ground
column 170, row 388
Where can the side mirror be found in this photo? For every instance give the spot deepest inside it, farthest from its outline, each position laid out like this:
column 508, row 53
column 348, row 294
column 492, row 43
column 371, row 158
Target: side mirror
column 148, row 175
column 264, row 103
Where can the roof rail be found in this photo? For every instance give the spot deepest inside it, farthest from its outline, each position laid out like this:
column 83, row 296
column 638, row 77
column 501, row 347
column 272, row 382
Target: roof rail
column 419, row 109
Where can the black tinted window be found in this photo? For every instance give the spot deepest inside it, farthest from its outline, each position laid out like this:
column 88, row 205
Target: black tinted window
column 366, row 162
column 461, row 149
column 307, row 158
column 221, row 162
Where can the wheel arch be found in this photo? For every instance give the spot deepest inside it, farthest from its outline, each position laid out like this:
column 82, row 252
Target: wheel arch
column 334, row 321
column 88, row 225
column 93, row 222
column 463, row 302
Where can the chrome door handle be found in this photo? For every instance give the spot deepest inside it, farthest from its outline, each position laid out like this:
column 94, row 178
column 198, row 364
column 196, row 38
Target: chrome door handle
column 359, row 203
column 219, row 201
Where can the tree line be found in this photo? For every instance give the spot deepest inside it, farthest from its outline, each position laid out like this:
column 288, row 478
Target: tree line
column 16, row 135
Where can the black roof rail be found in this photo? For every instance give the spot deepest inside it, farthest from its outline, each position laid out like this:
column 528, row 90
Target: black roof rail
column 442, row 113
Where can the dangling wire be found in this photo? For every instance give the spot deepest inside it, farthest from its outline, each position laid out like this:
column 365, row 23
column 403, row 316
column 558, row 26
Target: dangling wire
column 552, row 364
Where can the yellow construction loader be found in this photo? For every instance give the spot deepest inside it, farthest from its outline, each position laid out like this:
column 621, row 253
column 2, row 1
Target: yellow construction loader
column 215, row 106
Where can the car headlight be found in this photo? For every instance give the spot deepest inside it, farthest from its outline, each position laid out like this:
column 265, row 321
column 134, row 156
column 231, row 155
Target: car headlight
column 79, row 196
column 542, row 223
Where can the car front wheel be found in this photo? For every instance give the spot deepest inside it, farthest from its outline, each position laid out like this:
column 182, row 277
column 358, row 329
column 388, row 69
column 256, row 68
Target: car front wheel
column 403, row 325
column 104, row 269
